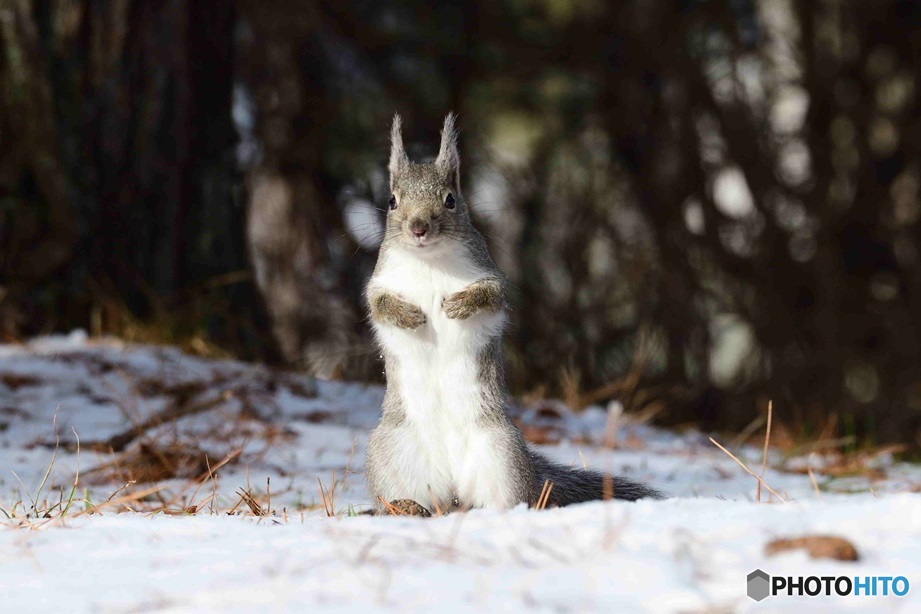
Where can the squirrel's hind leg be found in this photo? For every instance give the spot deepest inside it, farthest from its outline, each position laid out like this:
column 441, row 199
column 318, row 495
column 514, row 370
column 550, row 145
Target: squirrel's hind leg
column 497, row 473
column 398, row 469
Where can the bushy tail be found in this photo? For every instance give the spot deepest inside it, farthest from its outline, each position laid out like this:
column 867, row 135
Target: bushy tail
column 580, row 485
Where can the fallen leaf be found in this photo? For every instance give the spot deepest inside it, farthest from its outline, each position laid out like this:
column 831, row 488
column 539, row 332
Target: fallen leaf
column 818, row 547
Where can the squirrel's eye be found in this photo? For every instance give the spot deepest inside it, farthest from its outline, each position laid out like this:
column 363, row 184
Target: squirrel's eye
column 393, row 202
column 449, row 201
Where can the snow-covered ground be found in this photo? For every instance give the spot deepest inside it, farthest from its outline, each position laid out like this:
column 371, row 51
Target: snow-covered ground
column 148, row 527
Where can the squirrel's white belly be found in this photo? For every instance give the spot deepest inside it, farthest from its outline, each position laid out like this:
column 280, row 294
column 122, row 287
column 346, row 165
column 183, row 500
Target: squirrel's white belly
column 436, row 372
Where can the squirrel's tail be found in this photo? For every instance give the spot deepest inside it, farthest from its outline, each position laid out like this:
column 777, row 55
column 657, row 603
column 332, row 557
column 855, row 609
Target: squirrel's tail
column 579, row 485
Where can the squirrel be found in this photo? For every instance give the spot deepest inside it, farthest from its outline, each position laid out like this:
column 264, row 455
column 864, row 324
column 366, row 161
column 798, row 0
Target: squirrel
column 437, row 310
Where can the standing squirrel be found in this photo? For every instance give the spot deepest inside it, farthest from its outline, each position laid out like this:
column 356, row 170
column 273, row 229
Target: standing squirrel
column 437, row 306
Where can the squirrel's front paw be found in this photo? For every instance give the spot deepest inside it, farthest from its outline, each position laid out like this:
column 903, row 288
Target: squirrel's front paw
column 458, row 306
column 410, row 317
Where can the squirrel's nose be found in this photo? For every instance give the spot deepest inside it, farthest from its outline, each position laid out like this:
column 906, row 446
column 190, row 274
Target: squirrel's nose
column 419, row 228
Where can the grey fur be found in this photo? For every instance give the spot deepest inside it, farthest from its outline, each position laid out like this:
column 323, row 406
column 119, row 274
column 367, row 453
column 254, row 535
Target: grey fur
column 581, row 485
column 398, row 157
column 420, row 191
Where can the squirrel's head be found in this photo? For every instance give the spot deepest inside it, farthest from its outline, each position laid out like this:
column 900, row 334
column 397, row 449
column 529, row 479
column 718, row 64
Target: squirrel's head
column 426, row 207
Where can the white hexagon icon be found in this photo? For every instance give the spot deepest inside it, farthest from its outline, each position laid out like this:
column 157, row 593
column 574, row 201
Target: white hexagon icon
column 759, row 585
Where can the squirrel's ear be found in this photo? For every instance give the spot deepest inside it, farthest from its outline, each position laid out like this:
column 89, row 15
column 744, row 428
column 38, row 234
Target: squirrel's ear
column 398, row 158
column 448, row 157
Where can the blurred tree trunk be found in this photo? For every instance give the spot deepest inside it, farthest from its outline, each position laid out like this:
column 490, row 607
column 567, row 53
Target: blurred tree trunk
column 38, row 228
column 121, row 116
column 294, row 226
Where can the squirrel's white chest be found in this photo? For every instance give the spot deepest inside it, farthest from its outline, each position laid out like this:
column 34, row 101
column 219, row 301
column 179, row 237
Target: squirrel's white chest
column 437, row 364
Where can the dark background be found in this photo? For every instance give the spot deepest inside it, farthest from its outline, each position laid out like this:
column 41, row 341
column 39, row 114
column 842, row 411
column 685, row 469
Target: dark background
column 702, row 205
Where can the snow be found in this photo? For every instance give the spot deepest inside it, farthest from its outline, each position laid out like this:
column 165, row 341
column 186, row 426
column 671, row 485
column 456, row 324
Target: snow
column 689, row 553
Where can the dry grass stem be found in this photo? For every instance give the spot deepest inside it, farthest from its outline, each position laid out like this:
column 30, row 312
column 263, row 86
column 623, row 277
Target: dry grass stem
column 394, row 511
column 254, row 506
column 747, row 470
column 544, row 495
column 815, row 484
column 764, row 455
column 438, row 510
column 607, row 487
column 328, row 497
column 268, row 494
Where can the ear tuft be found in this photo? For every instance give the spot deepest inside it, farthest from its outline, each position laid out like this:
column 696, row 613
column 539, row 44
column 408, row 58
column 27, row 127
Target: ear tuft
column 448, row 156
column 398, row 157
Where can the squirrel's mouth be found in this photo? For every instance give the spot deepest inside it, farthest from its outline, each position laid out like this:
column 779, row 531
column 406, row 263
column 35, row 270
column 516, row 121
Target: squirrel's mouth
column 423, row 242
